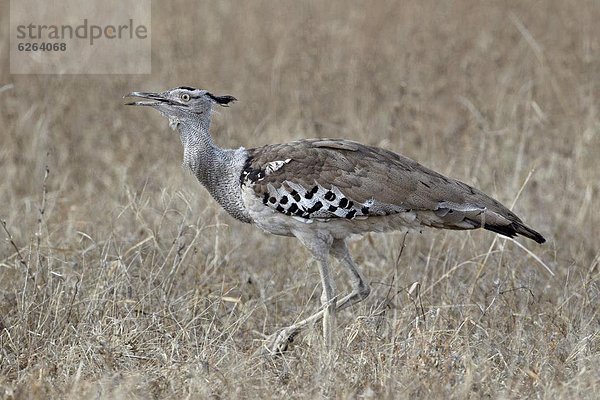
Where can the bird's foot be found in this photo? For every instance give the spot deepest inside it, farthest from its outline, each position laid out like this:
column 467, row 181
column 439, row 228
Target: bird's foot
column 279, row 342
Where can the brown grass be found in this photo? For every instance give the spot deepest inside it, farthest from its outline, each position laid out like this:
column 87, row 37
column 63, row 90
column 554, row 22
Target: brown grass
column 121, row 278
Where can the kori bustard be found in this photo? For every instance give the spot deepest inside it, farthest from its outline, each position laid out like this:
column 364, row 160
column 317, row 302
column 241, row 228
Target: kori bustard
column 322, row 191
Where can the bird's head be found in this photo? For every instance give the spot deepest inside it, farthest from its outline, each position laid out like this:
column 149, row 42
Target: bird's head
column 182, row 105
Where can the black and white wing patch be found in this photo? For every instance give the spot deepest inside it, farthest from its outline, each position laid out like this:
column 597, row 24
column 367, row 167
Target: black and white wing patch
column 316, row 202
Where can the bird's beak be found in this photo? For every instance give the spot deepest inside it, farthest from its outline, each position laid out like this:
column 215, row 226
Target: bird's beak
column 156, row 97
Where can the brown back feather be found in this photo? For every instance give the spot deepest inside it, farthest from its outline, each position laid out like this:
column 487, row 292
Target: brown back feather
column 364, row 172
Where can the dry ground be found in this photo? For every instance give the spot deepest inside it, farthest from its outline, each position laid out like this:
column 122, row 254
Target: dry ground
column 123, row 279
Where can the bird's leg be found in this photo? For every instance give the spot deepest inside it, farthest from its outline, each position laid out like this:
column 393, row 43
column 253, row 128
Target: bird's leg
column 318, row 244
column 328, row 302
column 360, row 288
column 360, row 291
column 278, row 342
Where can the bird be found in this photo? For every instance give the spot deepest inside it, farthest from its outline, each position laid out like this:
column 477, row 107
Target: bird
column 323, row 191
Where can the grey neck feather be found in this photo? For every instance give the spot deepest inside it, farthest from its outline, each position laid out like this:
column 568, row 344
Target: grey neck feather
column 217, row 169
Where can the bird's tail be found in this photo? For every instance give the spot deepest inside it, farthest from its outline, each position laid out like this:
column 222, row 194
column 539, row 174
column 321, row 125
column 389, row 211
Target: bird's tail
column 493, row 217
column 515, row 228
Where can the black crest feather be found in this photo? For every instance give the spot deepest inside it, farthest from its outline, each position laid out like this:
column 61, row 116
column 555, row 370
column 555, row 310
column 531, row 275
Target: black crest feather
column 222, row 100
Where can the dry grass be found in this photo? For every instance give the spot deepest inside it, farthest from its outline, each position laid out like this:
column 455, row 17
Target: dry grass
column 121, row 278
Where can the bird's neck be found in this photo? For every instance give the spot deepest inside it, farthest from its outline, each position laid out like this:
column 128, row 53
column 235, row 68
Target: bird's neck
column 216, row 168
column 200, row 154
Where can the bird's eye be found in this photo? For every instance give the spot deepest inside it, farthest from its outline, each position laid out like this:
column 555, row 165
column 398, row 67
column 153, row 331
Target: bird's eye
column 185, row 97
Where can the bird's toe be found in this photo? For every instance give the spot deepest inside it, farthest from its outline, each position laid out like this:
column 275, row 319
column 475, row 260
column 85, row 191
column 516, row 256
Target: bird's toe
column 279, row 342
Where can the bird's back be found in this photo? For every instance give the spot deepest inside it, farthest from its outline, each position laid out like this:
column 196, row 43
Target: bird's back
column 330, row 180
